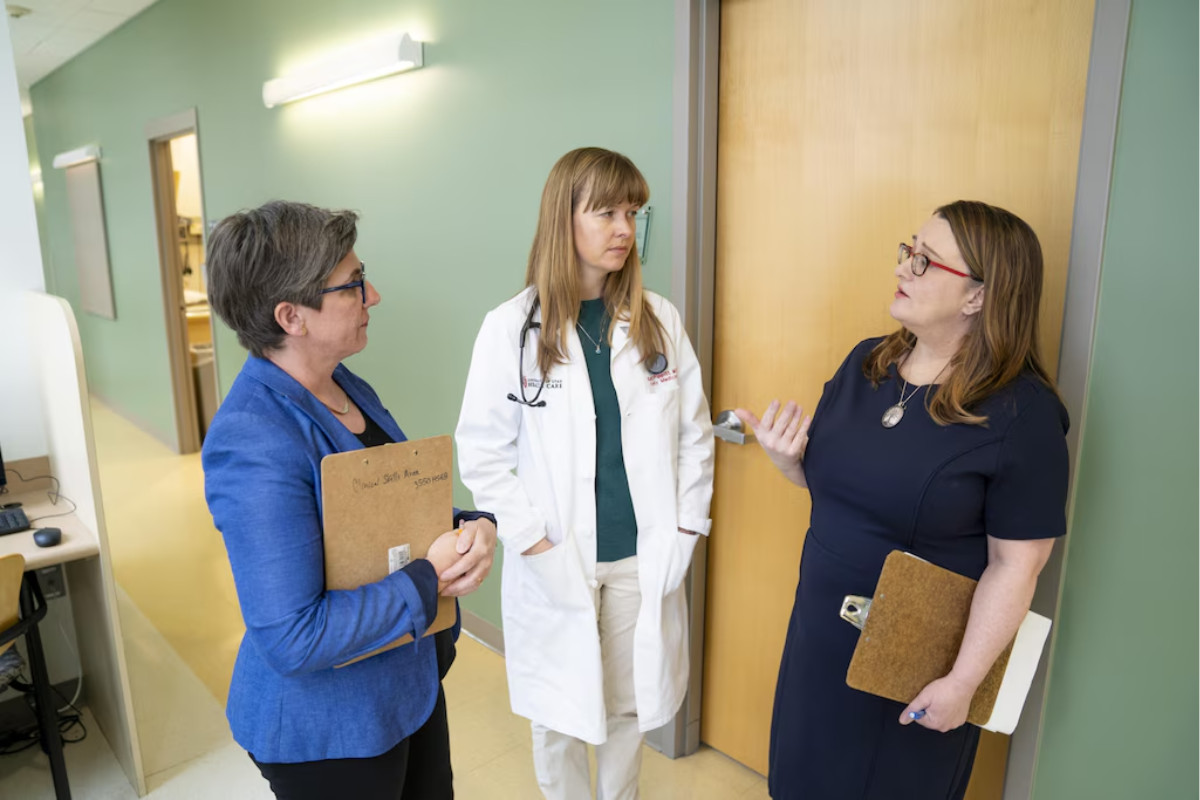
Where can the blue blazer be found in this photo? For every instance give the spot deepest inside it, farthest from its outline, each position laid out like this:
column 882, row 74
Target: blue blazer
column 262, row 476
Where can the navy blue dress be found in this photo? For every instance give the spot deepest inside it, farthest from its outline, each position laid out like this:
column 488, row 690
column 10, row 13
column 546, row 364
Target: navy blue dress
column 935, row 491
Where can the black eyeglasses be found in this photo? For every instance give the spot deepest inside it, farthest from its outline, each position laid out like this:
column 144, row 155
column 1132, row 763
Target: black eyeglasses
column 922, row 262
column 361, row 283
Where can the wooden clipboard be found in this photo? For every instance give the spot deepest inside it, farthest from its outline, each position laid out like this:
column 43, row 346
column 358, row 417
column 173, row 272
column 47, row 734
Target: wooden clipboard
column 912, row 633
column 383, row 507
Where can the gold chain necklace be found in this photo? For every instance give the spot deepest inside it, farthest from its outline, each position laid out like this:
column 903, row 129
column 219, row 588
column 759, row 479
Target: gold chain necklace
column 345, row 409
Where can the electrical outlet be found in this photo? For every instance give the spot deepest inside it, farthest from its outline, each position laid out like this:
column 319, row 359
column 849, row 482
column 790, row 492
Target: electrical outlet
column 52, row 581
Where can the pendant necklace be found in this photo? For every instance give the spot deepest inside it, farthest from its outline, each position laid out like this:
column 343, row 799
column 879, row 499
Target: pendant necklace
column 895, row 413
column 589, row 336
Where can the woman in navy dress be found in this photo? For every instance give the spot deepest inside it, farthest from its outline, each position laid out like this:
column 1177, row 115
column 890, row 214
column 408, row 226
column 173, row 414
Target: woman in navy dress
column 945, row 439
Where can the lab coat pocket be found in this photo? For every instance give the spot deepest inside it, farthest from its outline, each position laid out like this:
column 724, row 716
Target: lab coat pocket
column 679, row 558
column 654, row 422
column 663, row 395
column 555, row 575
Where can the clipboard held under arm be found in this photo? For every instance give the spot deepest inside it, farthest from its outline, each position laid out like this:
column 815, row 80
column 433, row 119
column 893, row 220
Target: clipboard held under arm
column 911, row 633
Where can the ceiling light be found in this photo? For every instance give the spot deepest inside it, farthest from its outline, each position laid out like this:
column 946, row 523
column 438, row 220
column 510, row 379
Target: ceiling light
column 359, row 64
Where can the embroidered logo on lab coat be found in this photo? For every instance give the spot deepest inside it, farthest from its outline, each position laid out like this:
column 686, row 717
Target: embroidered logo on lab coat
column 534, row 383
column 666, row 376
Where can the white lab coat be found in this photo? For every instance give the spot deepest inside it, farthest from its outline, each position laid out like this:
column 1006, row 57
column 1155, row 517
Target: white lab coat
column 551, row 641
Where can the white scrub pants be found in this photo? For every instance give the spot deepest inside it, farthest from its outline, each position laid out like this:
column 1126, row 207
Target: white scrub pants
column 561, row 761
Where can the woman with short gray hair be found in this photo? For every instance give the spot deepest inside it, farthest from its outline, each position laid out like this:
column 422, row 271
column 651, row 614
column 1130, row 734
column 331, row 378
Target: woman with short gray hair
column 286, row 279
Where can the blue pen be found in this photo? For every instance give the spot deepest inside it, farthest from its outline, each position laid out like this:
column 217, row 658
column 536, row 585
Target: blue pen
column 916, row 714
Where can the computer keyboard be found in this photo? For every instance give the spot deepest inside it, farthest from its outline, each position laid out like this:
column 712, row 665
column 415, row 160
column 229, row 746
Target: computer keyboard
column 13, row 520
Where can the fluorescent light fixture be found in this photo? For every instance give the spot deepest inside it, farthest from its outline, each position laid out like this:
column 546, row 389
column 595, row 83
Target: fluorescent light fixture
column 79, row 155
column 359, row 64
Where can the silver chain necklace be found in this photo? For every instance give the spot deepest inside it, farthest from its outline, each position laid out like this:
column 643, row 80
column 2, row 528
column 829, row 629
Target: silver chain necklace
column 589, row 336
column 895, row 413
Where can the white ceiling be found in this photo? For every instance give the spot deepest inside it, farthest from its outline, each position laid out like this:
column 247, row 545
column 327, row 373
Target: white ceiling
column 55, row 31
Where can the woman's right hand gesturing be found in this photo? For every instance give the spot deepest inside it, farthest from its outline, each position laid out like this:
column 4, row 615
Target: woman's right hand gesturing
column 783, row 435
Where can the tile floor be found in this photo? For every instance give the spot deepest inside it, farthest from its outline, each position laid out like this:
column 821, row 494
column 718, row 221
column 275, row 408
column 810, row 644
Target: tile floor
column 182, row 627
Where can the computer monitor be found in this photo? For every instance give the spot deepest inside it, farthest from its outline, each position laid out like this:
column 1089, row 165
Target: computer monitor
column 3, row 475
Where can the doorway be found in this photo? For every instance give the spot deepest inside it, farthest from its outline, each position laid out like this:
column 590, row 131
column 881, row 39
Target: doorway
column 841, row 126
column 179, row 213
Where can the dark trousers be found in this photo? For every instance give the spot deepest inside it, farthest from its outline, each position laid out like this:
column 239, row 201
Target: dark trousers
column 416, row 769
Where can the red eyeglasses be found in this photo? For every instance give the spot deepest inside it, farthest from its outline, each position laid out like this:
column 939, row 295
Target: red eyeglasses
column 922, row 262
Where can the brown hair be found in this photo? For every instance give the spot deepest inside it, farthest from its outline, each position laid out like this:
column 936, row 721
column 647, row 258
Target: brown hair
column 602, row 178
column 1003, row 252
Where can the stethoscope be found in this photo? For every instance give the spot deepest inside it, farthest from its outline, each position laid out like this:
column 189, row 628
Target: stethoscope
column 523, row 400
column 657, row 366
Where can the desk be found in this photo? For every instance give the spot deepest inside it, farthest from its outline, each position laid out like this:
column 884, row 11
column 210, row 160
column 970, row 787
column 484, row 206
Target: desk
column 101, row 657
column 77, row 541
column 93, row 606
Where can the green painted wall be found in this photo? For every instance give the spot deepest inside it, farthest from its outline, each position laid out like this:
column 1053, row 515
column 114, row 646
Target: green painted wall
column 445, row 164
column 1120, row 718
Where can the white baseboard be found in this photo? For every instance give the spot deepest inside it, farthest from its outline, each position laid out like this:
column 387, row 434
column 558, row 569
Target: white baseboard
column 482, row 631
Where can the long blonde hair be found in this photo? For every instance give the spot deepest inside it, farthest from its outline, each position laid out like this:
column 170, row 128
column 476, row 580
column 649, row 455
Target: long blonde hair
column 1003, row 252
column 601, row 178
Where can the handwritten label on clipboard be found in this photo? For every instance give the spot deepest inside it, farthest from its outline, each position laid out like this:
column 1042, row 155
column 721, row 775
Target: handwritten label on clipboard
column 382, row 507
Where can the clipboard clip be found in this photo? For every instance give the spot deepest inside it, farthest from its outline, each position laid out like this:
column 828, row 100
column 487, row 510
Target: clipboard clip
column 855, row 609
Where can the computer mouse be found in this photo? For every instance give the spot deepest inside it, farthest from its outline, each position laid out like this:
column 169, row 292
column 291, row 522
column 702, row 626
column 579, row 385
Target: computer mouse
column 47, row 537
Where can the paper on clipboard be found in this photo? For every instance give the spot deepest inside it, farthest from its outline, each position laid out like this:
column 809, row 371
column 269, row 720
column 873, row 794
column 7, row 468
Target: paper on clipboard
column 382, row 507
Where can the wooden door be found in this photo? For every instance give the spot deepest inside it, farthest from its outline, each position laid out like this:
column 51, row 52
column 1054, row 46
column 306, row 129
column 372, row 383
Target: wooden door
column 842, row 125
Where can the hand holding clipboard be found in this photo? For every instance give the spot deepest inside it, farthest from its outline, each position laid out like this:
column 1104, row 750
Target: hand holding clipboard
column 382, row 507
column 911, row 633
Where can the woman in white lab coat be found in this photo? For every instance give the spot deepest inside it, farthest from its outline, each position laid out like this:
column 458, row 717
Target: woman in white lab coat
column 584, row 427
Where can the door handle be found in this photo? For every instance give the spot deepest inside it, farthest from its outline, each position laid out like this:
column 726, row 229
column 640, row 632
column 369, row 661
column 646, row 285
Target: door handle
column 727, row 426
